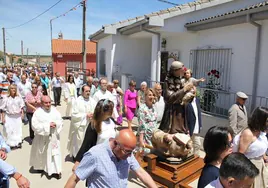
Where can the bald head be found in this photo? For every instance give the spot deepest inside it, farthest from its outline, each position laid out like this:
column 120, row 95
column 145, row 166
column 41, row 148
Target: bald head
column 45, row 98
column 90, row 79
column 46, row 102
column 127, row 138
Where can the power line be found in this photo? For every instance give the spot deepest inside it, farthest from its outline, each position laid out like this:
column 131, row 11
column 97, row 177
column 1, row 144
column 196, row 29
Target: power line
column 168, row 2
column 80, row 4
column 9, row 34
column 35, row 17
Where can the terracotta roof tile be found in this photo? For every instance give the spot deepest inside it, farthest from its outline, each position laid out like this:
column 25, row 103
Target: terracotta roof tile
column 62, row 46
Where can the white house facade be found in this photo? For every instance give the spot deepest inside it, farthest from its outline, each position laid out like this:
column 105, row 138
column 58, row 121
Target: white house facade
column 229, row 36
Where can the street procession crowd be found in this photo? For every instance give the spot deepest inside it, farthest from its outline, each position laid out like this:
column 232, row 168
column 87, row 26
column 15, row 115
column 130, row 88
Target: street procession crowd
column 102, row 150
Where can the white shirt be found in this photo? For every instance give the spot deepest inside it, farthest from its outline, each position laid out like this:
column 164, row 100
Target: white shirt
column 2, row 77
column 196, row 127
column 160, row 107
column 78, row 82
column 215, row 184
column 13, row 105
column 107, row 131
column 255, row 149
column 24, row 88
column 56, row 82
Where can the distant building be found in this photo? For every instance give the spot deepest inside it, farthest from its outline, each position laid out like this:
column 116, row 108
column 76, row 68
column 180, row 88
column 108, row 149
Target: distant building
column 68, row 54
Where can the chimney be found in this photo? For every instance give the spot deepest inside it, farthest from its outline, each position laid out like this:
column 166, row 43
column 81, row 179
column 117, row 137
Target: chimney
column 60, row 35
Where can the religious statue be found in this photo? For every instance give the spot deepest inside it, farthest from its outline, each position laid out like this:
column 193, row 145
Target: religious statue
column 172, row 145
column 174, row 91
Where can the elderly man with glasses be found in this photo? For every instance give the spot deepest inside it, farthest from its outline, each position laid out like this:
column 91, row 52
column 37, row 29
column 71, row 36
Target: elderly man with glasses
column 238, row 118
column 108, row 164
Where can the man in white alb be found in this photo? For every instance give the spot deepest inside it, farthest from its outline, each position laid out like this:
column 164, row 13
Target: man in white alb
column 47, row 125
column 82, row 112
column 103, row 93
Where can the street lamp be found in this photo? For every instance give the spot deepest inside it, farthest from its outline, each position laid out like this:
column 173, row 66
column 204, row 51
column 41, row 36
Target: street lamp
column 51, row 44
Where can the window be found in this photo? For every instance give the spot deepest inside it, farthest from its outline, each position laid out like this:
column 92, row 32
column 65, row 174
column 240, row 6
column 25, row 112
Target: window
column 73, row 64
column 212, row 62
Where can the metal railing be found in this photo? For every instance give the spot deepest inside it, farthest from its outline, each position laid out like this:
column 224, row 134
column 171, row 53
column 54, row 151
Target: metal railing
column 218, row 102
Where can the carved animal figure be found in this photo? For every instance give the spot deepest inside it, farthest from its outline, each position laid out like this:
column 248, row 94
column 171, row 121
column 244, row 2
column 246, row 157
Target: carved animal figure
column 166, row 144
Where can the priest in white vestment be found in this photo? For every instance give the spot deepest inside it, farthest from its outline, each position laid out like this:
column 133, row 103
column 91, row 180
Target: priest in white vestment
column 103, row 93
column 47, row 125
column 82, row 111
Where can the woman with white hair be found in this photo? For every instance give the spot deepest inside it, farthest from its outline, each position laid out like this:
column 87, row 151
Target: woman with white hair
column 141, row 93
column 12, row 117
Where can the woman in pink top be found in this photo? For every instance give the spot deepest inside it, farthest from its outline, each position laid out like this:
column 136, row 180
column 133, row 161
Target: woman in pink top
column 32, row 101
column 130, row 101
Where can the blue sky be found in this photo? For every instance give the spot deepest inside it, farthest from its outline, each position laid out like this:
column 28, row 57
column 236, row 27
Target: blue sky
column 36, row 35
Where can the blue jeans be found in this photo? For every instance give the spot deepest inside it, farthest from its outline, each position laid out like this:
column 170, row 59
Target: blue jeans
column 4, row 181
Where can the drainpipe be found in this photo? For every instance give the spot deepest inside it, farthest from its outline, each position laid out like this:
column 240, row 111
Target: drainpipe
column 257, row 61
column 158, row 64
column 97, row 58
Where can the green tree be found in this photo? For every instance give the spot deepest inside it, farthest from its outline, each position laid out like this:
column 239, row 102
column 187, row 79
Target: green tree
column 19, row 60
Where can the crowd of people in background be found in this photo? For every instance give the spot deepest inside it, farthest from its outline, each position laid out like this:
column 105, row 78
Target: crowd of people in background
column 96, row 109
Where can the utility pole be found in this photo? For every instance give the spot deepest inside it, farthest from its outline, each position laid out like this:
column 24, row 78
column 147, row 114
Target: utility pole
column 21, row 45
column 51, row 46
column 27, row 55
column 36, row 58
column 4, row 44
column 84, row 50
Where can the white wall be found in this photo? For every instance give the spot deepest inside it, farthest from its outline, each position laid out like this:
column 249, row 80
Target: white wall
column 133, row 55
column 176, row 24
column 106, row 44
column 240, row 38
column 263, row 72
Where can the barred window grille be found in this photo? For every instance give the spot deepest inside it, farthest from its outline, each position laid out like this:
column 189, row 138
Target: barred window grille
column 102, row 69
column 73, row 65
column 203, row 61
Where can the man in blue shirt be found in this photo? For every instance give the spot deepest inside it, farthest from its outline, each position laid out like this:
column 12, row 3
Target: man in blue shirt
column 108, row 164
column 7, row 170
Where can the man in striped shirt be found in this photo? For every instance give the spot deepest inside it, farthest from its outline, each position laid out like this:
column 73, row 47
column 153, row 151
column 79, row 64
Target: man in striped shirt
column 6, row 83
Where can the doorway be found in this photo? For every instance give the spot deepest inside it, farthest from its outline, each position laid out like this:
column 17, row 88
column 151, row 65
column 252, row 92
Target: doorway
column 164, row 66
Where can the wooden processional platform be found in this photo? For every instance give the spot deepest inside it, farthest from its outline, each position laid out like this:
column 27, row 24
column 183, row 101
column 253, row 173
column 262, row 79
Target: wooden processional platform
column 173, row 175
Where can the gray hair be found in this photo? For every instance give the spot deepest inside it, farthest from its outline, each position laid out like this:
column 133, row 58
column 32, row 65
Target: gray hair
column 143, row 83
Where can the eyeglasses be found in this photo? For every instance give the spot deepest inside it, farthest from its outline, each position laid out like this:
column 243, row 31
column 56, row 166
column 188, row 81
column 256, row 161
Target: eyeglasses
column 127, row 152
column 34, row 87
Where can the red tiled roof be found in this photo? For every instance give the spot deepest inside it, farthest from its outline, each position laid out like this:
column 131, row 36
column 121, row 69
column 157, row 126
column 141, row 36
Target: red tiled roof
column 62, row 46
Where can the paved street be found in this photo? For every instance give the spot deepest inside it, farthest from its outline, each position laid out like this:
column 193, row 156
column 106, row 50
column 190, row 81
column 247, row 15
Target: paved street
column 20, row 159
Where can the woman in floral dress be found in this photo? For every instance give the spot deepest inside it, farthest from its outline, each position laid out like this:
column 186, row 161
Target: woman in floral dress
column 147, row 117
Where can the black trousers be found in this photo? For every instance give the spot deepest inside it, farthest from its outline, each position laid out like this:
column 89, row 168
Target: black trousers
column 29, row 117
column 78, row 92
column 57, row 95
